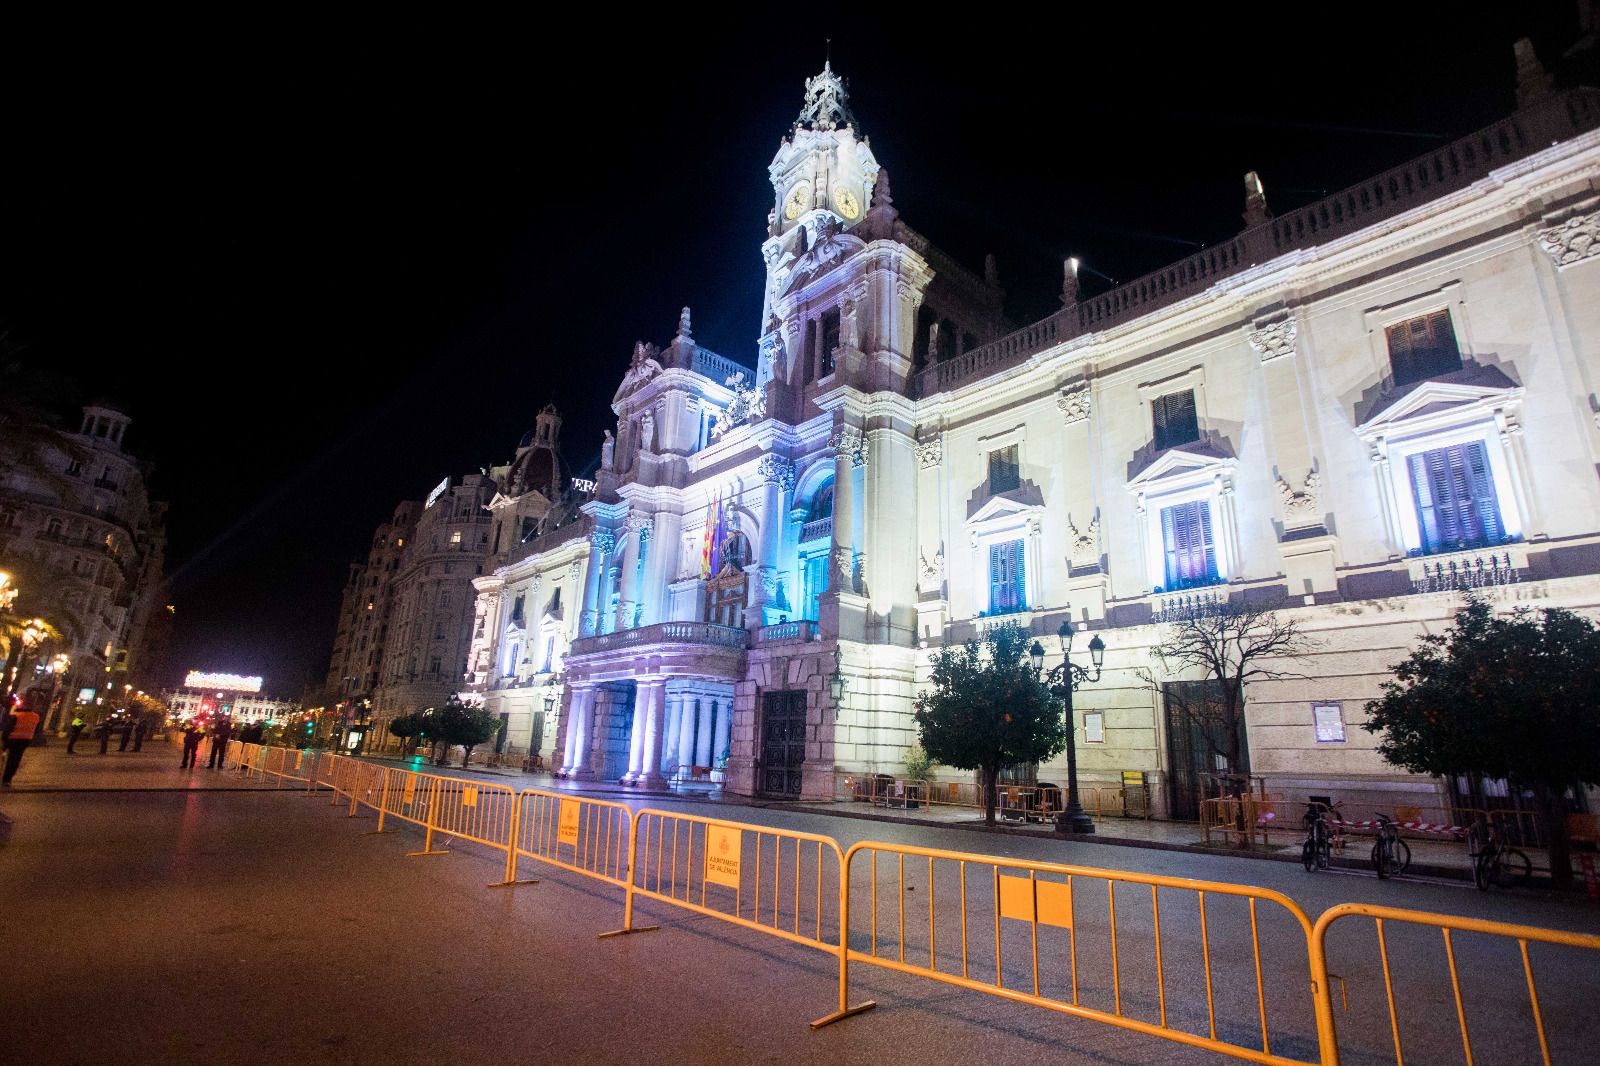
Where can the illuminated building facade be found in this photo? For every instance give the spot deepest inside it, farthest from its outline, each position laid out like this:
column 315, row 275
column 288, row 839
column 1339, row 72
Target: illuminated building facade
column 431, row 605
column 1355, row 410
column 364, row 610
column 75, row 518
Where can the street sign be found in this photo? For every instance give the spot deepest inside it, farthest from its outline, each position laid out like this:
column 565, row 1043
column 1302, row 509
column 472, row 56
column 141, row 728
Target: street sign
column 722, row 855
column 567, row 827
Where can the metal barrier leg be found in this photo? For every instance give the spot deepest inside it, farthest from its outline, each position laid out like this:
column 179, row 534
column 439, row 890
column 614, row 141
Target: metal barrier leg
column 510, row 880
column 845, row 1009
column 383, row 807
column 433, row 811
column 627, row 897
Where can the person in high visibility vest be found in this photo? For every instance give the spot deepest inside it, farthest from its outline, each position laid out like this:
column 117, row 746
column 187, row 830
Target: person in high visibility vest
column 19, row 729
column 74, row 733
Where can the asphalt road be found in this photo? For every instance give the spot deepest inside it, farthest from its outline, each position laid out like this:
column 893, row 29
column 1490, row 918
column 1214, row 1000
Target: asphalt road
column 261, row 927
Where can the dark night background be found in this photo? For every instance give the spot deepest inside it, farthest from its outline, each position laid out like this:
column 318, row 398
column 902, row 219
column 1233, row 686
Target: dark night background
column 323, row 268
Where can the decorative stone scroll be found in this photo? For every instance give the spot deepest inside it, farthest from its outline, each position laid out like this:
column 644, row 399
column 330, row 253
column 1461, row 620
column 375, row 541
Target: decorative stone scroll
column 1274, row 340
column 1074, row 402
column 1302, row 506
column 930, row 452
column 1085, row 544
column 1576, row 239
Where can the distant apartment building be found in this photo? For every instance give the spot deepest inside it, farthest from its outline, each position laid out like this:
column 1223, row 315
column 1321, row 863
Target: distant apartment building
column 85, row 544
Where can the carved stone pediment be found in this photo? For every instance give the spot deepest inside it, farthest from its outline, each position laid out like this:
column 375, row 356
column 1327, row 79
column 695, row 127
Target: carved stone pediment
column 1435, row 404
column 1009, row 506
column 1177, row 467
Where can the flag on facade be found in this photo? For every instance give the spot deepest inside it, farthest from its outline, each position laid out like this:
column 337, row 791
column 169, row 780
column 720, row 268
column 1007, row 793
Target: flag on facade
column 706, row 537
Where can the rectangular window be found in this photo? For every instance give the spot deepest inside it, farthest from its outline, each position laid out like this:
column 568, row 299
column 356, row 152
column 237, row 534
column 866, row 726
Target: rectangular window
column 1175, row 419
column 808, row 373
column 1005, row 473
column 1423, row 347
column 549, row 654
column 555, row 600
column 816, row 579
column 1191, row 554
column 830, row 341
column 1008, row 591
column 1456, row 504
column 455, row 536
column 516, row 609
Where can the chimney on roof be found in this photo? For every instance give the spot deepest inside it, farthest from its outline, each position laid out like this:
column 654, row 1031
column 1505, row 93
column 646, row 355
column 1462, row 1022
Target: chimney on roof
column 1533, row 81
column 1256, row 210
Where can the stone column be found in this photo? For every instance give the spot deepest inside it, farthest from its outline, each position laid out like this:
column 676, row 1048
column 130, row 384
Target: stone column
column 702, row 741
column 600, row 545
column 777, row 475
column 628, row 598
column 722, row 730
column 636, row 737
column 580, row 713
column 669, row 742
column 686, row 720
column 652, row 695
column 848, row 450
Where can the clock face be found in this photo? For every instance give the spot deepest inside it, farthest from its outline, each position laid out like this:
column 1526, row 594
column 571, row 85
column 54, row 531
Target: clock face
column 846, row 202
column 797, row 202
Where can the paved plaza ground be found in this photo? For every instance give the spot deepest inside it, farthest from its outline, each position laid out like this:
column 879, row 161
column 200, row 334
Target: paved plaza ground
column 193, row 916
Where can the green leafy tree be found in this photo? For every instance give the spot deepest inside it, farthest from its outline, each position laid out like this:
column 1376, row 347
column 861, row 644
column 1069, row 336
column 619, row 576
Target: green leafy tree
column 988, row 710
column 1508, row 697
column 457, row 723
column 406, row 727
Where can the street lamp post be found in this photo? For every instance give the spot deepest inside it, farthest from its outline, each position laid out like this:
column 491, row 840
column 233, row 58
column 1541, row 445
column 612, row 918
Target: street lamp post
column 1073, row 818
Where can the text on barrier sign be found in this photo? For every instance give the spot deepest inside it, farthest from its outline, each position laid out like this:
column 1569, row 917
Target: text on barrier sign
column 469, row 796
column 567, row 823
column 722, row 855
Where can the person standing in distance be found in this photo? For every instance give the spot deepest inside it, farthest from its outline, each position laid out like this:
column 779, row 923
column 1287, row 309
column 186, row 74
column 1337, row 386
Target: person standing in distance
column 74, row 732
column 19, row 728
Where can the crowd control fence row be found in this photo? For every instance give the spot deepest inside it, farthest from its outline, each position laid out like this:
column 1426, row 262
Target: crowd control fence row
column 1240, row 971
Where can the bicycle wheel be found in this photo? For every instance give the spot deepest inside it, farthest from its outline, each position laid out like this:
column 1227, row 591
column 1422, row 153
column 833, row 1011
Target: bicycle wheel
column 1512, row 868
column 1308, row 855
column 1385, row 859
column 1402, row 856
column 1482, row 870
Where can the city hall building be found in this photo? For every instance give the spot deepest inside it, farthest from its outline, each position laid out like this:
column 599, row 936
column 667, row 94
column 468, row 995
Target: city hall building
column 1354, row 410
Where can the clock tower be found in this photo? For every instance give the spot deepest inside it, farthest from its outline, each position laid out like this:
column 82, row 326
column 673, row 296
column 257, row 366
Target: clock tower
column 823, row 165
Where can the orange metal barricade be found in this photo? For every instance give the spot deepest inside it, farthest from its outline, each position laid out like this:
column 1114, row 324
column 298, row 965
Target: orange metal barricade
column 774, row 881
column 1050, row 935
column 1562, row 1035
column 587, row 836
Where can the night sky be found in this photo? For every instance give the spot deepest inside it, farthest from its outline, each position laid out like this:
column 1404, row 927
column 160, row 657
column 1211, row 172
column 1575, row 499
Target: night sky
column 324, row 267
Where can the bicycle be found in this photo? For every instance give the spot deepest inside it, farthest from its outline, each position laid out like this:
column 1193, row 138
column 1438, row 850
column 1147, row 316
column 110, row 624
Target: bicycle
column 1493, row 862
column 1390, row 854
column 1317, row 851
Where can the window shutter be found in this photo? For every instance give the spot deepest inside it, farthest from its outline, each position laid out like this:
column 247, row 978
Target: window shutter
column 1422, row 491
column 1485, row 504
column 1019, row 598
column 1169, row 540
column 1208, row 551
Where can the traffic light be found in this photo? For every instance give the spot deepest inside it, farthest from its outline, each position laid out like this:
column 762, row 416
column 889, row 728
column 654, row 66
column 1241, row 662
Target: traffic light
column 311, row 726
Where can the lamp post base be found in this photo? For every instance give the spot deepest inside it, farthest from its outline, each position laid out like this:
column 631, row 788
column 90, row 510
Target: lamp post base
column 1070, row 821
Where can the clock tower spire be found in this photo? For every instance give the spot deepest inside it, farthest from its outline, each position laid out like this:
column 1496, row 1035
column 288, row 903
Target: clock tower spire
column 824, row 164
